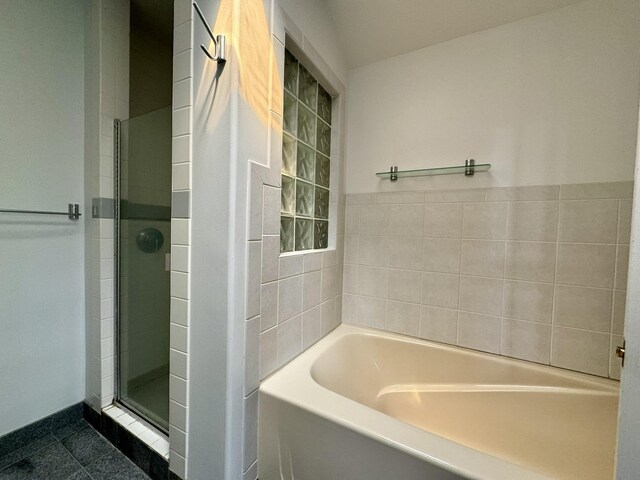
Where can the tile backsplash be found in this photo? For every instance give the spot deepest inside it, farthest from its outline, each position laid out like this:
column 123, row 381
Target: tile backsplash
column 535, row 273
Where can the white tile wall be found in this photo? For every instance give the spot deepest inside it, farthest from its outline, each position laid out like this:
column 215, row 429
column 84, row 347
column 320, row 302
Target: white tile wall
column 107, row 93
column 180, row 240
column 293, row 300
column 536, row 273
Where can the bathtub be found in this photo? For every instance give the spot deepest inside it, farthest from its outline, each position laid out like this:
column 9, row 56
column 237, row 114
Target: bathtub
column 363, row 404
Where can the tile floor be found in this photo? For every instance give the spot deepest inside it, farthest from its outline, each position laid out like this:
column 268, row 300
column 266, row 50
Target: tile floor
column 77, row 452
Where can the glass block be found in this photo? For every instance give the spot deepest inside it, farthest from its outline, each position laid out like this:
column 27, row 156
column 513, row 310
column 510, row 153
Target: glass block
column 290, row 72
column 286, row 234
column 288, row 154
column 287, row 195
column 320, row 234
column 304, row 234
column 323, row 143
column 307, row 89
column 323, row 170
column 324, row 105
column 322, row 203
column 304, row 198
column 306, row 125
column 290, row 113
column 306, row 162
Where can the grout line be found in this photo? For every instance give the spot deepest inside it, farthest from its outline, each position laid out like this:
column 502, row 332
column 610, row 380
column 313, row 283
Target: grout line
column 555, row 285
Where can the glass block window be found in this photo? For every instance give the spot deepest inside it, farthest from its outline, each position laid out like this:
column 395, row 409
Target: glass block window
column 306, row 166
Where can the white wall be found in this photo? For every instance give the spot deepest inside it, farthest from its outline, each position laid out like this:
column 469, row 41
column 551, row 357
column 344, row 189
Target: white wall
column 547, row 100
column 41, row 163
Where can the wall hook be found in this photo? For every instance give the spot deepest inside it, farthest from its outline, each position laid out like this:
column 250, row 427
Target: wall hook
column 219, row 41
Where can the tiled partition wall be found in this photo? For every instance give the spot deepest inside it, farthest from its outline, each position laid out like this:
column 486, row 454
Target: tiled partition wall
column 535, row 273
column 106, row 98
column 294, row 299
column 180, row 235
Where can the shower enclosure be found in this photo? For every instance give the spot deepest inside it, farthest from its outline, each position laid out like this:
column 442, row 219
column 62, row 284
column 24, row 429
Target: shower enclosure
column 143, row 246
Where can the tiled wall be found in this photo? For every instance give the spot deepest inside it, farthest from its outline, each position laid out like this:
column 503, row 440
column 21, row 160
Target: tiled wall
column 180, row 236
column 293, row 299
column 536, row 273
column 106, row 98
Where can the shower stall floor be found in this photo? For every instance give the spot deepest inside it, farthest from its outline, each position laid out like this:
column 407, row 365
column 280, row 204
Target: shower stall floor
column 152, row 399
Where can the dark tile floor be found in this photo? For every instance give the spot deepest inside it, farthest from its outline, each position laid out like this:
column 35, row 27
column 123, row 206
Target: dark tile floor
column 77, row 452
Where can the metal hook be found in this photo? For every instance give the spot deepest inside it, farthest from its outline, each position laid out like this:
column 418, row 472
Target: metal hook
column 218, row 41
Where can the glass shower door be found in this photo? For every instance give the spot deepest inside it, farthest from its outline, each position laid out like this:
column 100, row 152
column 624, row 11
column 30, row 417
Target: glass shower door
column 143, row 264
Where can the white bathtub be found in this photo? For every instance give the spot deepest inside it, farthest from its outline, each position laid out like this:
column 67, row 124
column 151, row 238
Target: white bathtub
column 363, row 404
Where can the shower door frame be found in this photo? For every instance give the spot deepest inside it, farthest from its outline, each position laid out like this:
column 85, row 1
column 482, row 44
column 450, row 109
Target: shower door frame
column 117, row 129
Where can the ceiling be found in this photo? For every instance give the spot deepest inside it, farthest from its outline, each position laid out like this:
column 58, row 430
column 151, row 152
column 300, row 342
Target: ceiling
column 372, row 30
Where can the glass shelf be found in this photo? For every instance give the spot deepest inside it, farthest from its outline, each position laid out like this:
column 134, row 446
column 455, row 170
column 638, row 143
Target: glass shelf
column 425, row 172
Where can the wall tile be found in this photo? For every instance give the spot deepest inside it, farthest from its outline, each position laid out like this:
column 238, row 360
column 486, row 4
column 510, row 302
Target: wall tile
column 271, row 211
column 268, row 306
column 405, row 252
column 329, row 283
column 254, row 255
column 373, row 250
column 268, row 352
column 270, row 258
column 405, row 220
column 374, row 220
column 289, row 339
column 532, row 261
column 622, row 266
column 480, row 332
column 533, row 221
column 587, row 265
column 289, row 298
column 403, row 318
column 400, row 197
column 619, row 303
column 526, row 340
column 451, row 196
column 439, row 324
column 351, row 249
column 502, row 194
column 481, row 295
column 484, row 221
column 528, row 301
column 311, row 326
column 312, row 261
column 350, row 284
column 311, row 289
column 404, row 285
column 352, row 220
column 483, row 257
column 349, row 307
column 440, row 255
column 373, row 281
column 371, row 312
column 443, row 220
column 583, row 307
column 570, row 345
column 328, row 316
column 624, row 221
column 290, row 265
column 440, row 290
column 588, row 221
column 596, row 190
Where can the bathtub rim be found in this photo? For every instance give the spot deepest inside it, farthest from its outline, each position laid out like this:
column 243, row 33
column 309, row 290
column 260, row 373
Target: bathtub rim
column 294, row 384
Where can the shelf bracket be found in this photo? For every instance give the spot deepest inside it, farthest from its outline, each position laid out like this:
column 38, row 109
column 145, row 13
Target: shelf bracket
column 393, row 173
column 470, row 167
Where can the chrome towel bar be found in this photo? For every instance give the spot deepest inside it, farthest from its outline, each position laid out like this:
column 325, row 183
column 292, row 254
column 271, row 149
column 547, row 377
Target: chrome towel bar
column 73, row 213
